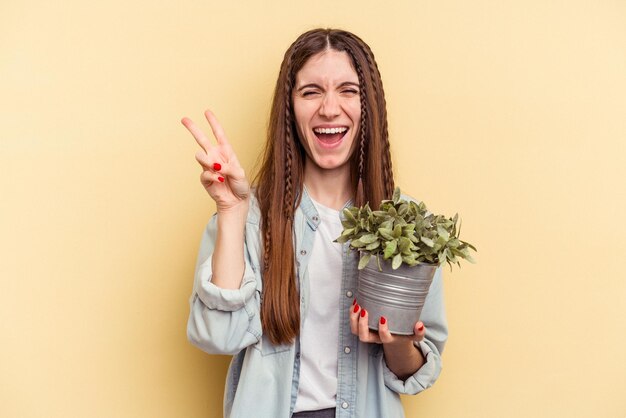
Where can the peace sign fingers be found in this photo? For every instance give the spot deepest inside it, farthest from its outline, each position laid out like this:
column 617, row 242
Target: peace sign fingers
column 218, row 133
column 197, row 133
column 222, row 177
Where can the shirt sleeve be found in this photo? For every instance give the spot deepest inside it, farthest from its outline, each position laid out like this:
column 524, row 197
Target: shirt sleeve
column 434, row 318
column 225, row 321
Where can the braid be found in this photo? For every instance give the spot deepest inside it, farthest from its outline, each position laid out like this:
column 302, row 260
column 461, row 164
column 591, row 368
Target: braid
column 267, row 244
column 360, row 198
column 387, row 167
column 363, row 128
column 288, row 202
column 363, row 133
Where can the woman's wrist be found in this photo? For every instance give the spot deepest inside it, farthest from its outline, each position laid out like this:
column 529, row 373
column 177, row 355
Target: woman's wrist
column 403, row 358
column 237, row 211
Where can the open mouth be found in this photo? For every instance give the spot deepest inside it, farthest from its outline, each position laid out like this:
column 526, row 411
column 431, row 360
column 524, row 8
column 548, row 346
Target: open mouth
column 330, row 136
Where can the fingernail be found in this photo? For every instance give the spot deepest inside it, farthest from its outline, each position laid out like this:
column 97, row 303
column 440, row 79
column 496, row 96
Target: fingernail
column 363, row 313
column 383, row 320
column 354, row 302
column 421, row 327
column 217, row 166
column 356, row 308
column 221, row 179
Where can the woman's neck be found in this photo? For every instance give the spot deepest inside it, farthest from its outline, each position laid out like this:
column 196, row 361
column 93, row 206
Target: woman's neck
column 331, row 188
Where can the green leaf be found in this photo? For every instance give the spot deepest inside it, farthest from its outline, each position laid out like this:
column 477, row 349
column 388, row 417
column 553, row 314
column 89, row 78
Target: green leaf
column 373, row 245
column 454, row 243
column 442, row 257
column 368, row 239
column 427, row 241
column 357, row 243
column 397, row 231
column 396, row 195
column 443, row 233
column 457, row 253
column 365, row 259
column 385, row 233
column 342, row 239
column 347, row 232
column 470, row 245
column 404, row 244
column 403, row 209
column 348, row 224
column 397, row 260
column 347, row 213
column 399, row 221
column 387, row 225
column 390, row 249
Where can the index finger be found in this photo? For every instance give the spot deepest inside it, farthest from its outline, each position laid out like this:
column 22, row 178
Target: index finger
column 197, row 133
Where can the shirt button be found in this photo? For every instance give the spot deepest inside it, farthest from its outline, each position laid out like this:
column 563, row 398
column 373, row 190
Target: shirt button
column 347, row 350
column 344, row 405
column 302, row 252
column 348, row 294
column 315, row 218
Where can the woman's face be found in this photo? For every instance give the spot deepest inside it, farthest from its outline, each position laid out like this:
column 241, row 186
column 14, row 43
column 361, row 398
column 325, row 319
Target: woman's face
column 327, row 107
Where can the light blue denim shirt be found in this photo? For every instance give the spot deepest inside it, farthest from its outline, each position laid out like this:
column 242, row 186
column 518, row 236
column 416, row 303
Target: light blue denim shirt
column 263, row 378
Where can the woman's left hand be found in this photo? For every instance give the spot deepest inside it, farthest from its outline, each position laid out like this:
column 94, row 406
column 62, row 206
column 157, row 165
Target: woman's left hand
column 401, row 355
column 359, row 327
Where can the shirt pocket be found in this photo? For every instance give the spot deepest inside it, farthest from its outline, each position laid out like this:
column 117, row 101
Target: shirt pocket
column 266, row 348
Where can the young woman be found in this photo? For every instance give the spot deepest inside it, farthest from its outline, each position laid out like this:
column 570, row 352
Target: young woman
column 271, row 287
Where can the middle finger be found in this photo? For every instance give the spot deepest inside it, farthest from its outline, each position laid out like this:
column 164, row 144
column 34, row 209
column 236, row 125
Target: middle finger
column 365, row 334
column 354, row 319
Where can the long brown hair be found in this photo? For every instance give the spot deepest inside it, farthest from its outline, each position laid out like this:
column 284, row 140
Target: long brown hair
column 279, row 182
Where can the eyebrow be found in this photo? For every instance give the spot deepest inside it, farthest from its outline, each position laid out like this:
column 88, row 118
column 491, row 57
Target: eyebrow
column 344, row 84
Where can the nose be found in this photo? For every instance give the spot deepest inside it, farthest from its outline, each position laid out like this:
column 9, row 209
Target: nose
column 330, row 107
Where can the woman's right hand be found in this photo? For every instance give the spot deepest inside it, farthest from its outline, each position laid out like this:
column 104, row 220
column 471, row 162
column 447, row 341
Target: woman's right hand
column 222, row 176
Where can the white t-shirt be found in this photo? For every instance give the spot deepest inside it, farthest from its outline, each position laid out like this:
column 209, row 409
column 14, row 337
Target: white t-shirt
column 319, row 338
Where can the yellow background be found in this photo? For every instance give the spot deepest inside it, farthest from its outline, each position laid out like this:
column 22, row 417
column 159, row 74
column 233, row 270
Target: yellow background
column 511, row 113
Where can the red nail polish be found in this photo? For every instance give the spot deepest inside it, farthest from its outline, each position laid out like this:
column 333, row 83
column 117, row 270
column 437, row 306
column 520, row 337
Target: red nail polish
column 356, row 308
column 217, row 166
column 354, row 302
column 421, row 327
column 383, row 320
column 221, row 179
column 363, row 313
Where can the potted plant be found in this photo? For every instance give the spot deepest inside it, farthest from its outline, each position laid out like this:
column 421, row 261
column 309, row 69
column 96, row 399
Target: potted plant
column 401, row 245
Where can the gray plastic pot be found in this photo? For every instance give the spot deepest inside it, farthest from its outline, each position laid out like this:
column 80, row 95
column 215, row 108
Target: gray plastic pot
column 398, row 295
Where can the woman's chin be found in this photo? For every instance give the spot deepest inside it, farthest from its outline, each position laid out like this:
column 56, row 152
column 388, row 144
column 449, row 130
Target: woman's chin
column 331, row 163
